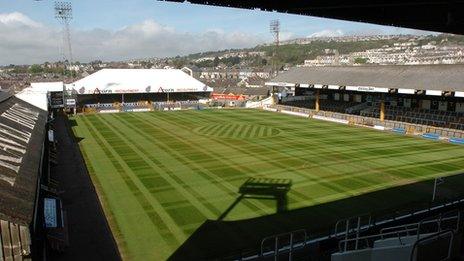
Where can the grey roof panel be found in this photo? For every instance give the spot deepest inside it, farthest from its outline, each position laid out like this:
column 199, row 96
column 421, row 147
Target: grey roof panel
column 20, row 161
column 419, row 77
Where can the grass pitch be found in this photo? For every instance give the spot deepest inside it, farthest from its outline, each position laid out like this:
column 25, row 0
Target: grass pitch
column 160, row 175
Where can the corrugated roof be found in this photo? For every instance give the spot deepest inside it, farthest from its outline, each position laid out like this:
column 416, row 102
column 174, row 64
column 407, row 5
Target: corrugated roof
column 5, row 94
column 22, row 131
column 419, row 77
column 15, row 241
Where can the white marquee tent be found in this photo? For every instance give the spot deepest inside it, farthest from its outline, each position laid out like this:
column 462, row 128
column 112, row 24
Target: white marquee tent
column 138, row 81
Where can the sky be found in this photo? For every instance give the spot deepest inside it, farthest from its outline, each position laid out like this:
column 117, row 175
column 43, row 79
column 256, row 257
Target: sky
column 114, row 30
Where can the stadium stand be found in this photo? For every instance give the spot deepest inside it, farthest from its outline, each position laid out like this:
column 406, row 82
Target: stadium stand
column 396, row 126
column 448, row 119
column 433, row 238
column 326, row 105
column 416, row 99
column 436, row 118
column 303, row 104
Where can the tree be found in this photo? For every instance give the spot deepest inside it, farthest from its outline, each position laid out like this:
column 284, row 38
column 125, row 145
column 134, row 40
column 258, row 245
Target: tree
column 35, row 68
column 216, row 61
column 360, row 60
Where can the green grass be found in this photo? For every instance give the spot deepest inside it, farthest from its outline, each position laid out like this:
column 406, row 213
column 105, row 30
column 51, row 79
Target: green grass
column 160, row 175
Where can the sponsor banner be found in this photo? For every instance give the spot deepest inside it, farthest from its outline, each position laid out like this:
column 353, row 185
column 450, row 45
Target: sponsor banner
column 456, row 140
column 304, row 85
column 318, row 86
column 287, row 84
column 70, row 102
column 406, row 91
column 148, row 89
column 333, row 87
column 56, row 99
column 269, row 109
column 399, row 130
column 432, row 136
column 220, row 96
column 109, row 111
column 137, row 110
column 284, row 84
column 366, row 89
column 379, row 127
column 330, row 119
column 433, row 92
column 459, row 94
column 295, row 113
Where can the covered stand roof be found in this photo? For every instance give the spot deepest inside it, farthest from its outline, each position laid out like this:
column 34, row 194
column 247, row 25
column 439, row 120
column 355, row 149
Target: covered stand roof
column 138, row 81
column 22, row 130
column 441, row 16
column 418, row 77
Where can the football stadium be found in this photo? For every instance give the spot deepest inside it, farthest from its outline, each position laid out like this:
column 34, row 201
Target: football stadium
column 336, row 163
column 335, row 160
column 180, row 173
column 169, row 172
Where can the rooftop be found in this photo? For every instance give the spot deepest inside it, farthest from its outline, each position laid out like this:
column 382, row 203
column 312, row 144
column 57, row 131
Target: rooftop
column 138, row 81
column 419, row 77
column 22, row 128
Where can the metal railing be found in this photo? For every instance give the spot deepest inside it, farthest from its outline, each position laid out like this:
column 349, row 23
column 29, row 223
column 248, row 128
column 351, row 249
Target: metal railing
column 402, row 231
column 434, row 237
column 288, row 247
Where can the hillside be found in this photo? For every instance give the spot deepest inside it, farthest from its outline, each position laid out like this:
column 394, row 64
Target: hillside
column 294, row 52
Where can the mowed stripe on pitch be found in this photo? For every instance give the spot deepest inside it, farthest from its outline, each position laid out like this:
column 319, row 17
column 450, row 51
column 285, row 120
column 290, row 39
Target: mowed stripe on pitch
column 352, row 184
column 188, row 149
column 184, row 167
column 125, row 201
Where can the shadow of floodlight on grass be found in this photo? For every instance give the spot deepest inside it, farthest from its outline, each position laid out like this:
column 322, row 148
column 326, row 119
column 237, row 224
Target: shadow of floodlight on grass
column 263, row 188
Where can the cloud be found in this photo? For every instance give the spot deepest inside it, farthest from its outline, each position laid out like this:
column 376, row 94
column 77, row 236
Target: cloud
column 327, row 33
column 384, row 30
column 287, row 35
column 17, row 19
column 37, row 43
